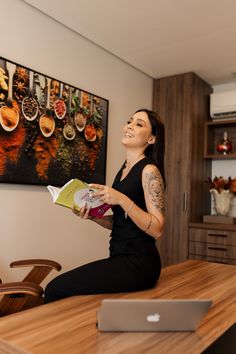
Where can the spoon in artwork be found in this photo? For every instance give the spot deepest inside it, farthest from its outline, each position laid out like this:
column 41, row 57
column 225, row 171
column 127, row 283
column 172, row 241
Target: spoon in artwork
column 46, row 121
column 40, row 89
column 29, row 104
column 9, row 115
column 79, row 118
column 69, row 130
column 59, row 105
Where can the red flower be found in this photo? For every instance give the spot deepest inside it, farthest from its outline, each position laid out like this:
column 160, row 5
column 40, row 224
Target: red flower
column 220, row 183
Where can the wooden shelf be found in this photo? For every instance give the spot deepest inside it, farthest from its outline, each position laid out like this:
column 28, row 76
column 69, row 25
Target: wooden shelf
column 205, row 225
column 225, row 122
column 213, row 133
column 220, row 156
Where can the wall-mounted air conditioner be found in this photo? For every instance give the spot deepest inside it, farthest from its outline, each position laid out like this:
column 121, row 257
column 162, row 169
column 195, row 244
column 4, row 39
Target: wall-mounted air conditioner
column 223, row 105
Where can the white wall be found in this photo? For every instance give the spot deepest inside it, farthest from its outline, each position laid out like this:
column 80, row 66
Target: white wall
column 225, row 168
column 31, row 226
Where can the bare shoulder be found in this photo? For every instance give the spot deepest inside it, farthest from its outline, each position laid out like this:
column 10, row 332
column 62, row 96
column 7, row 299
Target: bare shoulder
column 153, row 186
column 151, row 172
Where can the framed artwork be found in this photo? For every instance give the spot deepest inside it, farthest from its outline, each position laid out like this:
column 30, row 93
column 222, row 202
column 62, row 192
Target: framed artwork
column 50, row 131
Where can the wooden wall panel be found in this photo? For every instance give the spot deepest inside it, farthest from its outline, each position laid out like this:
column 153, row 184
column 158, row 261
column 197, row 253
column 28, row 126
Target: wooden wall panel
column 182, row 101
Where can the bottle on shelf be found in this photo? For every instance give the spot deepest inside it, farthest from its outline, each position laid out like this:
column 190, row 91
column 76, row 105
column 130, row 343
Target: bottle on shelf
column 225, row 145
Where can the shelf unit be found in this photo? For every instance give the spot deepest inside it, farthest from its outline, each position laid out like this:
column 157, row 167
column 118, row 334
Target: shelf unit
column 201, row 225
column 211, row 242
column 213, row 133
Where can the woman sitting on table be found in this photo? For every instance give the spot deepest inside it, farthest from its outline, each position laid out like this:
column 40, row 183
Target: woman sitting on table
column 137, row 199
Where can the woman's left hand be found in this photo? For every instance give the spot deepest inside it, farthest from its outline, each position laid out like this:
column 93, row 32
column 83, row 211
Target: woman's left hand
column 107, row 194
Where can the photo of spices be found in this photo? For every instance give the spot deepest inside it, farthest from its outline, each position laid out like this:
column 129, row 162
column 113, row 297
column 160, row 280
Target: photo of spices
column 50, row 131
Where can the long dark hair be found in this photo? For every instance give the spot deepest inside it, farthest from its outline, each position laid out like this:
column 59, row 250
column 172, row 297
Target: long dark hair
column 156, row 151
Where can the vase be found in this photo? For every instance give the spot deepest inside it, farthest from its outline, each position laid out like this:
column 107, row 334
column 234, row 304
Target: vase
column 222, row 201
column 225, row 145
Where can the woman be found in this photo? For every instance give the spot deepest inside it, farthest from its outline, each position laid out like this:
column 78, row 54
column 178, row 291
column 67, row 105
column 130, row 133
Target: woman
column 137, row 199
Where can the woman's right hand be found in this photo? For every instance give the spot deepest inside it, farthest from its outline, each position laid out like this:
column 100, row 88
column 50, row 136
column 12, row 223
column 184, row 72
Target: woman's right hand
column 83, row 212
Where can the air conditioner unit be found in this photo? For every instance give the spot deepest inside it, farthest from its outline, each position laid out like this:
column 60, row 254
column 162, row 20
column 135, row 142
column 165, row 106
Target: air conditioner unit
column 223, row 105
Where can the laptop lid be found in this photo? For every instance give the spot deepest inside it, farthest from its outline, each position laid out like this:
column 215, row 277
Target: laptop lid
column 151, row 314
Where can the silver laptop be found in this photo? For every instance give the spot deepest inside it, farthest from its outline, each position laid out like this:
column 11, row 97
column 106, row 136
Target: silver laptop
column 151, row 314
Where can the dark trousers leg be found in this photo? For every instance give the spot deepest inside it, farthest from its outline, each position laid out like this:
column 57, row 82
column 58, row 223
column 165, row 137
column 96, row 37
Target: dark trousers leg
column 110, row 275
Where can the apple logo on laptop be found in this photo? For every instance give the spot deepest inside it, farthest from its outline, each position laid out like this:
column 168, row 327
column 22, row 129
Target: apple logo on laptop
column 153, row 317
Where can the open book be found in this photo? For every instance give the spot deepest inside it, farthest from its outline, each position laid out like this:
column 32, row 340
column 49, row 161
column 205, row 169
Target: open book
column 76, row 192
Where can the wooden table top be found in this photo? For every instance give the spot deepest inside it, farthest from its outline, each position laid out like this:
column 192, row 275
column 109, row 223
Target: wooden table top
column 9, row 348
column 69, row 326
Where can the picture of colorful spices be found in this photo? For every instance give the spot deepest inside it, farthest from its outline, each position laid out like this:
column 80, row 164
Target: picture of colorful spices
column 34, row 147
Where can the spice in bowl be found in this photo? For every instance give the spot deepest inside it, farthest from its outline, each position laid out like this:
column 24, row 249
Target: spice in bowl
column 9, row 118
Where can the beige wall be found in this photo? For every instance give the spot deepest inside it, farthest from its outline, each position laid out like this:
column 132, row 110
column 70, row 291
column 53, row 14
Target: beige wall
column 31, row 226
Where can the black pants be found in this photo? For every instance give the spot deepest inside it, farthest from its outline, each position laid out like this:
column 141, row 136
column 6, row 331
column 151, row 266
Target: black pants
column 115, row 274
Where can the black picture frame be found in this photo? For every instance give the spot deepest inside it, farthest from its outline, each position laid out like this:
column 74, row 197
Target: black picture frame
column 50, row 131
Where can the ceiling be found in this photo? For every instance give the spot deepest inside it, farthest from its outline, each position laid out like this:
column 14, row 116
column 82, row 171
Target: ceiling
column 158, row 37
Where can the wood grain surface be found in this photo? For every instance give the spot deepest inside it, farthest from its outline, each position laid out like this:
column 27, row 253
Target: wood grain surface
column 69, row 326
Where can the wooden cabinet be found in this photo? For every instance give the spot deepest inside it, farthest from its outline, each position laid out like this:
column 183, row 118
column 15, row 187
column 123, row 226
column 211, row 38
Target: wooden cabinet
column 216, row 244
column 213, row 133
column 182, row 102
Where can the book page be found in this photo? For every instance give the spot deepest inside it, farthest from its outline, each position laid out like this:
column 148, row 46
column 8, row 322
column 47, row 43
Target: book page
column 67, row 192
column 54, row 192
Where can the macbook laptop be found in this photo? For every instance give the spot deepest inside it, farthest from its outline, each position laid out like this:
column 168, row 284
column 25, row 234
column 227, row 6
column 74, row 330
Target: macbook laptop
column 151, row 314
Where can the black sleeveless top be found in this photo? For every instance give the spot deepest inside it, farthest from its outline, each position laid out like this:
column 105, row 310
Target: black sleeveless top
column 126, row 237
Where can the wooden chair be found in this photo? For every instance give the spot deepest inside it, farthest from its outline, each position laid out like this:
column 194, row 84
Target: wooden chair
column 14, row 293
column 18, row 296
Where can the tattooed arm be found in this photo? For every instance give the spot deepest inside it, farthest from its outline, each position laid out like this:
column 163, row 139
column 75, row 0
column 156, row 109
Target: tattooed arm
column 150, row 221
column 153, row 187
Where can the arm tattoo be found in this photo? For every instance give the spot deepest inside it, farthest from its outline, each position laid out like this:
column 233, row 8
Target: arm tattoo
column 155, row 189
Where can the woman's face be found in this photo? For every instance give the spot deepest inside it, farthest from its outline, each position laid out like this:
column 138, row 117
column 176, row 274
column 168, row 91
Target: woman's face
column 137, row 132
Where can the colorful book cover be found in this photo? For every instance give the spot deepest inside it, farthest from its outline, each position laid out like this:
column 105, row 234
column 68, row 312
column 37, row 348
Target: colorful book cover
column 76, row 192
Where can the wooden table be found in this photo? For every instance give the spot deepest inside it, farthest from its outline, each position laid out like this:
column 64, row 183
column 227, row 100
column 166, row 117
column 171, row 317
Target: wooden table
column 69, row 326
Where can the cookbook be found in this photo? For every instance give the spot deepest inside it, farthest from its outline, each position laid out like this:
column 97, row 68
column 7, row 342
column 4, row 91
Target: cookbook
column 77, row 193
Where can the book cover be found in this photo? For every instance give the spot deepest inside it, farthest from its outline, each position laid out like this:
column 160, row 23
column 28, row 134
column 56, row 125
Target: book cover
column 76, row 192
